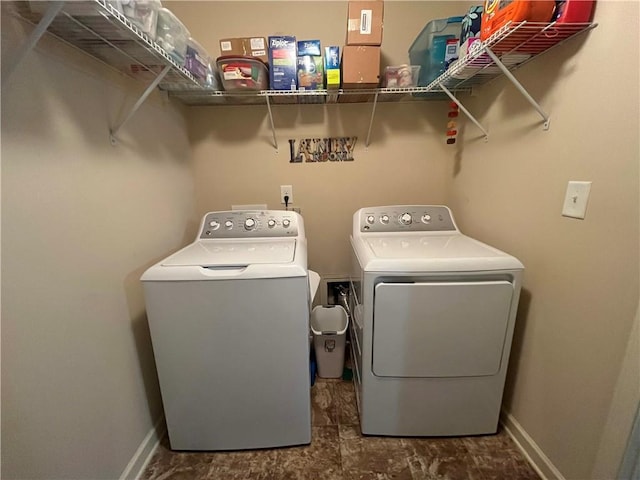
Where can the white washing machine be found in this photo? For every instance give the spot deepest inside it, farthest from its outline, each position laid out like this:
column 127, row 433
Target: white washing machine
column 229, row 322
column 433, row 317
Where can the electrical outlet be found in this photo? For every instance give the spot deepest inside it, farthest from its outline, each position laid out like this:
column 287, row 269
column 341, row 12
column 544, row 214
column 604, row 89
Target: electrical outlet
column 286, row 190
column 575, row 200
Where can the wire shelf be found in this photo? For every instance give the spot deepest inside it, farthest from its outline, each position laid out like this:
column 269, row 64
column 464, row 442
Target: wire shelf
column 515, row 44
column 97, row 28
column 106, row 34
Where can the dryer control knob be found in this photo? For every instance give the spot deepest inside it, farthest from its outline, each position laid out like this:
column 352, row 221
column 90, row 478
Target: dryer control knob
column 384, row 219
column 214, row 224
column 249, row 224
column 426, row 218
column 371, row 219
column 286, row 222
column 228, row 224
column 271, row 223
column 405, row 219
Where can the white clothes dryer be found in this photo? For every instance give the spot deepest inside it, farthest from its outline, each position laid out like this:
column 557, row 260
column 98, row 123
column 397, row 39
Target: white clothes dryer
column 433, row 318
column 229, row 322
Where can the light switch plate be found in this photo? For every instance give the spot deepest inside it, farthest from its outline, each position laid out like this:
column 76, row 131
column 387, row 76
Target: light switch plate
column 575, row 200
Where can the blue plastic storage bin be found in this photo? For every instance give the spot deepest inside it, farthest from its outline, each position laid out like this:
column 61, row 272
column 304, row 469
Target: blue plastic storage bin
column 429, row 48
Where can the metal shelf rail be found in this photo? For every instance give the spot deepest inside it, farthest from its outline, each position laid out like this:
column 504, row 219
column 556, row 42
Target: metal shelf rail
column 103, row 32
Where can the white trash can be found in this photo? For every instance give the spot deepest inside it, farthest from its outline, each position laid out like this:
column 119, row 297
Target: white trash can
column 329, row 326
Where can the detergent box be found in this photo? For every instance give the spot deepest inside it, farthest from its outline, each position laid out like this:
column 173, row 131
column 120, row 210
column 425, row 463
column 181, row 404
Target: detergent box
column 283, row 63
column 310, row 66
column 332, row 67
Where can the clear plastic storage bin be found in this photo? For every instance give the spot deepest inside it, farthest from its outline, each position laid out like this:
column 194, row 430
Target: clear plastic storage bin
column 401, row 76
column 197, row 59
column 172, row 35
column 143, row 14
column 242, row 73
column 429, row 48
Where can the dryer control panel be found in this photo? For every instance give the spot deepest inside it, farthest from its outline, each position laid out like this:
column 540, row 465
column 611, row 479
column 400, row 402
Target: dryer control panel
column 405, row 218
column 250, row 224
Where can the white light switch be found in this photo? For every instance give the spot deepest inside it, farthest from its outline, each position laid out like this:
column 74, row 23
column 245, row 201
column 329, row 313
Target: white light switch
column 575, row 201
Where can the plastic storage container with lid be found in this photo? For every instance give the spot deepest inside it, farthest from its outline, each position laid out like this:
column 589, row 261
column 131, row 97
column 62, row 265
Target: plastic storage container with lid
column 239, row 73
column 498, row 13
column 172, row 35
column 429, row 48
column 196, row 59
column 573, row 11
column 401, row 76
column 143, row 14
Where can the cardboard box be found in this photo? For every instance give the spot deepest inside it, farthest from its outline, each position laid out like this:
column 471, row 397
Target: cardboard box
column 332, row 67
column 283, row 63
column 364, row 23
column 360, row 66
column 360, row 70
column 245, row 46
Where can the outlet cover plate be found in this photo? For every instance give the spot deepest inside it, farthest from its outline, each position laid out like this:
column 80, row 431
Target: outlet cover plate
column 575, row 200
column 288, row 191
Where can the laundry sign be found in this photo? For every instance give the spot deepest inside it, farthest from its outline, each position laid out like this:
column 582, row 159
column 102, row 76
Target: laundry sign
column 334, row 149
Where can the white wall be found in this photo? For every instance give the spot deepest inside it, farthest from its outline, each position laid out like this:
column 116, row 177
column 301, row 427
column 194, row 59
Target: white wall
column 581, row 276
column 407, row 159
column 81, row 219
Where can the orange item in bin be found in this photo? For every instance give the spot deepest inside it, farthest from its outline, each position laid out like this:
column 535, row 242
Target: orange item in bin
column 498, row 13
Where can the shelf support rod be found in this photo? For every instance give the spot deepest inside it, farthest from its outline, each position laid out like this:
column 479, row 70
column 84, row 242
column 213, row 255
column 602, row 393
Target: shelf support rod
column 465, row 111
column 134, row 109
column 33, row 39
column 273, row 129
column 373, row 113
column 520, row 88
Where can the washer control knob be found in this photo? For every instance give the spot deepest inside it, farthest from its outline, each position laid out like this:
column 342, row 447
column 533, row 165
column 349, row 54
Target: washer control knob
column 426, row 218
column 228, row 224
column 271, row 223
column 405, row 219
column 384, row 219
column 371, row 219
column 214, row 224
column 249, row 224
column 286, row 222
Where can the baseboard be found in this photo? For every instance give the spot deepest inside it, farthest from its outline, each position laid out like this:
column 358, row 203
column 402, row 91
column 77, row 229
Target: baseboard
column 538, row 460
column 145, row 451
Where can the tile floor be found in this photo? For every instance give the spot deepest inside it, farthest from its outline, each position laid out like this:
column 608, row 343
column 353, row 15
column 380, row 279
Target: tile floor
column 339, row 452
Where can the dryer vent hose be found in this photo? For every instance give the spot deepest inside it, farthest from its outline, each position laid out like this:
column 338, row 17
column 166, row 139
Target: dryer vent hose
column 341, row 294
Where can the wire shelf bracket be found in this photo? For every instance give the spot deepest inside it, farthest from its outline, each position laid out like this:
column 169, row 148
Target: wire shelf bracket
column 466, row 112
column 520, row 88
column 373, row 113
column 36, row 34
column 152, row 86
column 273, row 128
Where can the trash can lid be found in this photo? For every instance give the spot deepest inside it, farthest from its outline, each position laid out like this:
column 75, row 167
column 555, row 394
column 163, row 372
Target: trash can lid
column 329, row 320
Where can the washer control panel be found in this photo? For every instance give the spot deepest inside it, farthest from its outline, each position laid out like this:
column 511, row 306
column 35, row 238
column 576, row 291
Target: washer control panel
column 406, row 218
column 249, row 224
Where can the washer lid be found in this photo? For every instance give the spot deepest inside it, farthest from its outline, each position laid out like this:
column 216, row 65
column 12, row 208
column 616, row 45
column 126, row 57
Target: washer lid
column 222, row 253
column 431, row 252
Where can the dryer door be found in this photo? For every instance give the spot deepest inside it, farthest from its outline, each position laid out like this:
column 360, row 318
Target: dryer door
column 448, row 329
